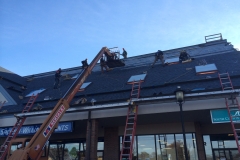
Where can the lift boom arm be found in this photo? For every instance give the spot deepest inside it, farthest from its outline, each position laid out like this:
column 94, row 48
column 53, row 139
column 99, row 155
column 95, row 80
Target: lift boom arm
column 34, row 148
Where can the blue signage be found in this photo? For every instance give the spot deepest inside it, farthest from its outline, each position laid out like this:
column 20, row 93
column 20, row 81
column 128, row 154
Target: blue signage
column 222, row 116
column 63, row 127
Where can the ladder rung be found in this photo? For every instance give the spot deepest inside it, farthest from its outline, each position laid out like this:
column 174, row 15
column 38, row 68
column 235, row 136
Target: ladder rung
column 223, row 73
column 127, row 141
column 226, row 83
column 128, row 134
column 130, row 123
column 129, row 129
column 227, row 88
column 130, row 117
column 236, row 121
column 125, row 154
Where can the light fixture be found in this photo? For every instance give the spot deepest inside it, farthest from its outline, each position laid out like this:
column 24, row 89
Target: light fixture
column 179, row 93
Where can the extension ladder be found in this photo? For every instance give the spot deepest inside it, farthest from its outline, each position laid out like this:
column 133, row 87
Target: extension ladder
column 221, row 151
column 163, row 145
column 232, row 105
column 16, row 128
column 130, row 127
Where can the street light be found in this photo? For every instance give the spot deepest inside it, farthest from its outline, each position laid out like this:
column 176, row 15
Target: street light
column 180, row 100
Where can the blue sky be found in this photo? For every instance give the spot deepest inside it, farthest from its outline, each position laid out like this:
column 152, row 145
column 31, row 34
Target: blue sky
column 41, row 36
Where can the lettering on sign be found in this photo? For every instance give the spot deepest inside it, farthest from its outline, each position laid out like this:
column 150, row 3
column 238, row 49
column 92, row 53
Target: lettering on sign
column 63, row 127
column 53, row 121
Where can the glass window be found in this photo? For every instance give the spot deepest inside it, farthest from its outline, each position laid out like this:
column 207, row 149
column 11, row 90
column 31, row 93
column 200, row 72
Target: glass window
column 208, row 147
column 100, row 146
column 206, row 69
column 84, row 85
column 165, row 147
column 146, row 148
column 135, row 78
column 192, row 147
column 71, row 150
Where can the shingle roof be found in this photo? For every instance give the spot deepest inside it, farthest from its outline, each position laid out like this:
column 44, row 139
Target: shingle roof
column 112, row 86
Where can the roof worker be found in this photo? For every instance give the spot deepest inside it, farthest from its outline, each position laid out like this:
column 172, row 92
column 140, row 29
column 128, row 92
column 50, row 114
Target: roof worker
column 183, row 56
column 57, row 78
column 103, row 64
column 124, row 54
column 158, row 55
column 84, row 64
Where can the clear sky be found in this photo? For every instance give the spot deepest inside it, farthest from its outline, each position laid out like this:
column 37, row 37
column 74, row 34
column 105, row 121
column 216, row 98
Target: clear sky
column 41, row 36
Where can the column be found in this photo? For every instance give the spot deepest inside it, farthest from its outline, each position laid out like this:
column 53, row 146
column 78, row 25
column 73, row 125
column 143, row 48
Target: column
column 111, row 144
column 199, row 141
column 91, row 140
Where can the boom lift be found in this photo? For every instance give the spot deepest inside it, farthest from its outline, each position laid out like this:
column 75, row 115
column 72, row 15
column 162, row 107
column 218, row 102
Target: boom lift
column 34, row 148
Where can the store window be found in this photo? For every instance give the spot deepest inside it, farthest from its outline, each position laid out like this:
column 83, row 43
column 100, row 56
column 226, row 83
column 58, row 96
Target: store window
column 72, row 149
column 208, row 147
column 146, row 148
column 221, row 146
column 165, row 144
column 164, row 147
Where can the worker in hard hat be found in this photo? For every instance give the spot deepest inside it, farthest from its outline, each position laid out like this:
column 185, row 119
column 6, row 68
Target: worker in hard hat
column 103, row 65
column 159, row 56
column 183, row 56
column 124, row 54
column 84, row 64
column 57, row 78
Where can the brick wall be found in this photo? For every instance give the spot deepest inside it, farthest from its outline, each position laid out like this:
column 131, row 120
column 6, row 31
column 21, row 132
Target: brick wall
column 93, row 140
column 199, row 141
column 111, row 144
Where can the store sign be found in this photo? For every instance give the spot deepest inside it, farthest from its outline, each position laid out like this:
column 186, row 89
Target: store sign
column 221, row 115
column 63, row 127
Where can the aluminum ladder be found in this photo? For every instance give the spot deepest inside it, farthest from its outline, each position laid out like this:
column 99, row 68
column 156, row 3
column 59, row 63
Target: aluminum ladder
column 130, row 127
column 162, row 146
column 232, row 106
column 16, row 128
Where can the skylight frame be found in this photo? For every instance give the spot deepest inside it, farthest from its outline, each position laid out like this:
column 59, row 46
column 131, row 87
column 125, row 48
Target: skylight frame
column 174, row 60
column 74, row 77
column 136, row 78
column 84, row 86
column 35, row 92
column 206, row 69
column 10, row 100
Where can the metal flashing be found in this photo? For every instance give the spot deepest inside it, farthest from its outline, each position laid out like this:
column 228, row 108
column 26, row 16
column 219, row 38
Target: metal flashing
column 138, row 101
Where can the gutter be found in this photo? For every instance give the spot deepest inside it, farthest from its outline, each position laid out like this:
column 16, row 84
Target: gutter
column 142, row 101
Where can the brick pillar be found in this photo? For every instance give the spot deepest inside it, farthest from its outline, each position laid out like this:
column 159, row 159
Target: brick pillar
column 199, row 141
column 111, row 144
column 93, row 138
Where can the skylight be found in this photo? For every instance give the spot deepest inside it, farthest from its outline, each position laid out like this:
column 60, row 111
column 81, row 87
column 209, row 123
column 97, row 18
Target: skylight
column 75, row 76
column 172, row 60
column 135, row 78
column 4, row 96
column 35, row 92
column 206, row 69
column 84, row 86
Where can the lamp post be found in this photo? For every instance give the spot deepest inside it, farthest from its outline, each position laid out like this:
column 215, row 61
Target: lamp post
column 180, row 100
